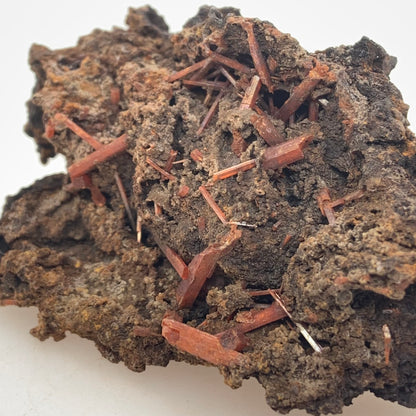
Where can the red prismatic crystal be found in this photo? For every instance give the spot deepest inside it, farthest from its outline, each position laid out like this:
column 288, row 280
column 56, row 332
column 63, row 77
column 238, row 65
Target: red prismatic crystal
column 104, row 153
column 281, row 155
column 202, row 267
column 200, row 344
column 234, row 338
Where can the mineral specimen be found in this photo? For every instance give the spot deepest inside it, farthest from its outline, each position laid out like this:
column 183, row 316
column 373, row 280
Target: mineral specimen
column 231, row 200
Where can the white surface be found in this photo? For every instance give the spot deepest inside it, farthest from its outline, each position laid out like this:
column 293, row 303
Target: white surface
column 70, row 377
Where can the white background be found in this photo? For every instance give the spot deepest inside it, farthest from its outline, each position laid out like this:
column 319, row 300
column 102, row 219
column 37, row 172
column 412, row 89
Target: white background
column 70, row 377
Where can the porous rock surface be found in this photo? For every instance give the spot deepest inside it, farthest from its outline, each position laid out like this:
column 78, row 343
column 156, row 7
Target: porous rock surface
column 80, row 263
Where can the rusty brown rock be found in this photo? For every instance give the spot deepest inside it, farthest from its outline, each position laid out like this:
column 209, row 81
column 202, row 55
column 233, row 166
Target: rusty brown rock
column 351, row 283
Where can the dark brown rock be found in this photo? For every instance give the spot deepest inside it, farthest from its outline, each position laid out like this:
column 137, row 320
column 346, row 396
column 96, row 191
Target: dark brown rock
column 82, row 266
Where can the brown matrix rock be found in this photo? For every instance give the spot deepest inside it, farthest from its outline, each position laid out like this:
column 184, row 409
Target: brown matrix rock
column 231, row 200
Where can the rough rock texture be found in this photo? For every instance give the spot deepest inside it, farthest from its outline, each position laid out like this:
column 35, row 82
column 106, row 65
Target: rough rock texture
column 81, row 265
